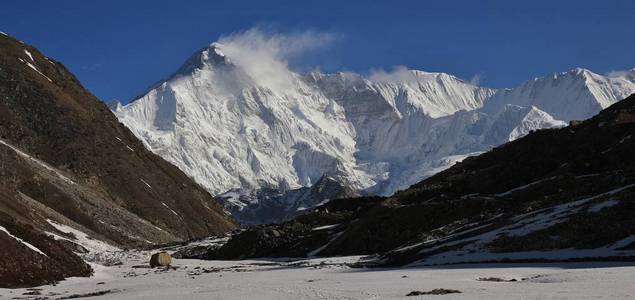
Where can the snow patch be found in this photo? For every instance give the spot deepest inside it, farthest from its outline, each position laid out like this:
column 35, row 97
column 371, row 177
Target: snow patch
column 318, row 250
column 122, row 142
column 166, row 206
column 35, row 69
column 29, row 55
column 81, row 238
column 37, row 161
column 598, row 207
column 520, row 225
column 509, row 192
column 22, row 241
column 325, row 227
column 144, row 182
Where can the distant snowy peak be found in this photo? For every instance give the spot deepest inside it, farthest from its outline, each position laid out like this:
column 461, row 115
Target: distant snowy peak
column 531, row 118
column 440, row 94
column 574, row 95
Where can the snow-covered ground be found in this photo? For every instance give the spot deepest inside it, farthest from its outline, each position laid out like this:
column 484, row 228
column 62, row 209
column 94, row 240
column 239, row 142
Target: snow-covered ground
column 128, row 276
column 332, row 279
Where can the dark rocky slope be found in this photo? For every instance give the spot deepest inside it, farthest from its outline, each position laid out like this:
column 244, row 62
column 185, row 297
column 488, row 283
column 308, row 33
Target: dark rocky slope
column 563, row 193
column 273, row 205
column 65, row 157
column 22, row 267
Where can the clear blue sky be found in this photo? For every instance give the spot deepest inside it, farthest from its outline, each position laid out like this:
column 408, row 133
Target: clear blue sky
column 118, row 48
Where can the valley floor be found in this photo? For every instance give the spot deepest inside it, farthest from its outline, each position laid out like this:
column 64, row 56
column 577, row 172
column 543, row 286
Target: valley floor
column 332, row 279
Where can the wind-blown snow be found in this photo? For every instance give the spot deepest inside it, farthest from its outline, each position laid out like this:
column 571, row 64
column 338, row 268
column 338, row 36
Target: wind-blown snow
column 236, row 116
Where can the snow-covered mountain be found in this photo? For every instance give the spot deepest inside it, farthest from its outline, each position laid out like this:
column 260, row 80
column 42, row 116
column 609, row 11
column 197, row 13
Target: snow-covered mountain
column 232, row 123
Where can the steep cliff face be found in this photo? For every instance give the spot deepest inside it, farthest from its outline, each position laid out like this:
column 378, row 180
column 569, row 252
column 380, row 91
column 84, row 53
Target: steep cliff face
column 65, row 157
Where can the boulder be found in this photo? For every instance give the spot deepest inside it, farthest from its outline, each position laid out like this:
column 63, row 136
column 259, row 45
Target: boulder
column 160, row 259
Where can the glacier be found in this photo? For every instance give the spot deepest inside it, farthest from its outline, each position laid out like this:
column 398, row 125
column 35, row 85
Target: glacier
column 232, row 126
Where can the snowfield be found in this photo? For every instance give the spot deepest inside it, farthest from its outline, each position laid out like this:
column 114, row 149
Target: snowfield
column 332, row 279
column 125, row 274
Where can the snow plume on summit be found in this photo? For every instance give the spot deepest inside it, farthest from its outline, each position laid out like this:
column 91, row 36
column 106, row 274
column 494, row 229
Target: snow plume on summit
column 621, row 73
column 399, row 74
column 265, row 56
column 242, row 118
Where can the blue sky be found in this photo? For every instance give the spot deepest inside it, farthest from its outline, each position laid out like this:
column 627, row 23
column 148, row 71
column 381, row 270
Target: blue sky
column 118, row 48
